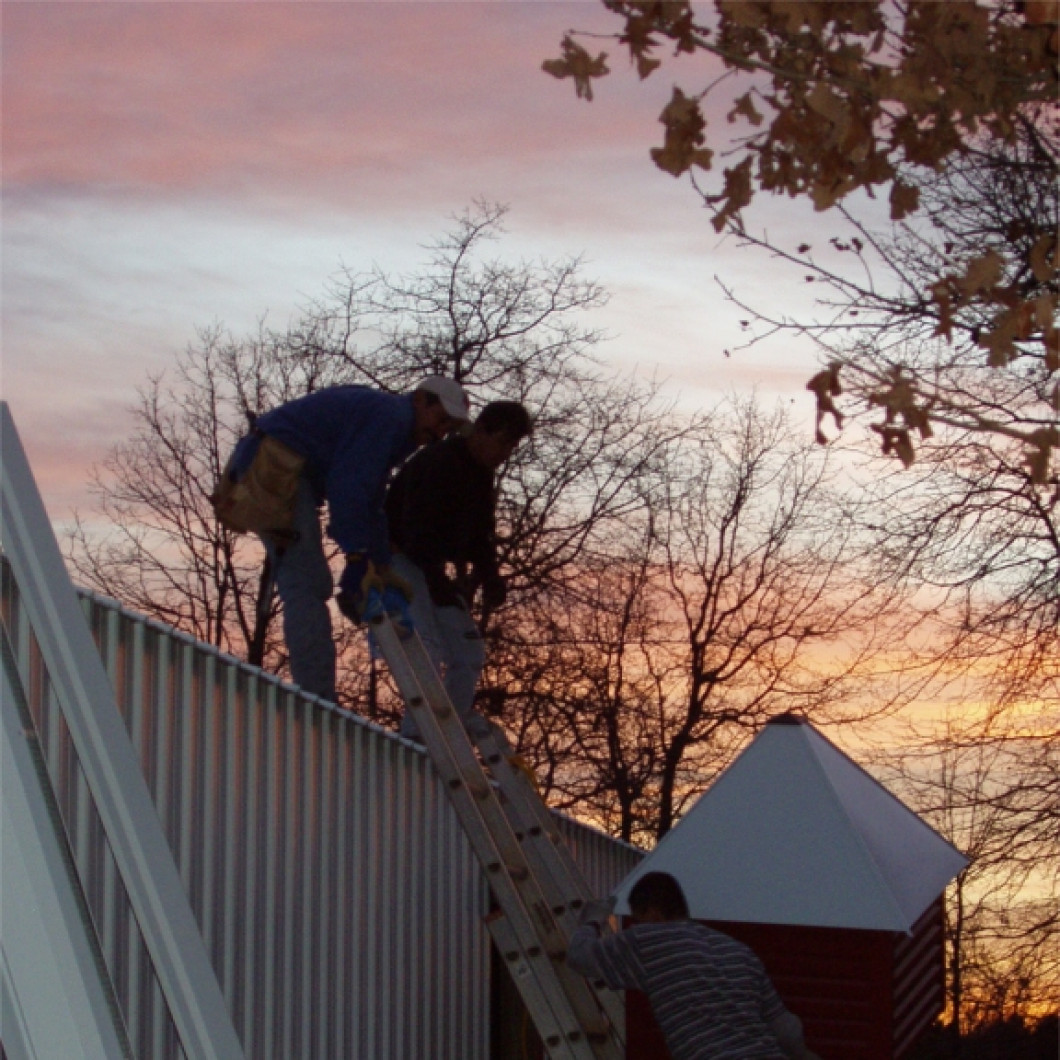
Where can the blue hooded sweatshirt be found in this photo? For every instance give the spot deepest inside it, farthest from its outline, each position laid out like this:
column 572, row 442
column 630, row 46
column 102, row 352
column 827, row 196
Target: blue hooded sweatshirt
column 351, row 438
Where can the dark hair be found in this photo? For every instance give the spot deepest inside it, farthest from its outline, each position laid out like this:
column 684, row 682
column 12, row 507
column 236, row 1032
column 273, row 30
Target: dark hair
column 661, row 892
column 507, row 416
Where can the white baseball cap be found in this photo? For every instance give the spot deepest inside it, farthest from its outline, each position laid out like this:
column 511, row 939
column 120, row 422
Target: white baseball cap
column 451, row 394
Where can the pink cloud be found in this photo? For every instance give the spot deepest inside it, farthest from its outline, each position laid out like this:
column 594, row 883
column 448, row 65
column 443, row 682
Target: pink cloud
column 216, row 96
column 166, row 161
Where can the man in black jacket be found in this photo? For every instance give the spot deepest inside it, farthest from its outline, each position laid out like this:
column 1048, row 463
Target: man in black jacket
column 440, row 510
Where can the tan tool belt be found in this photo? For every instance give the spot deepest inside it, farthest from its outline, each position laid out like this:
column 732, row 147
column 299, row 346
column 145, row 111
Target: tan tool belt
column 262, row 501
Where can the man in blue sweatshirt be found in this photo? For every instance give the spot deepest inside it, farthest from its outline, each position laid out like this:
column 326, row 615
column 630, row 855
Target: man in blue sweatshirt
column 338, row 445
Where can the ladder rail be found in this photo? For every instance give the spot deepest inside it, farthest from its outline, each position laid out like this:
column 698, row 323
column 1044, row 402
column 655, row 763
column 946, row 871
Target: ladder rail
column 563, row 885
column 560, row 876
column 562, row 882
column 563, row 1004
column 571, row 1016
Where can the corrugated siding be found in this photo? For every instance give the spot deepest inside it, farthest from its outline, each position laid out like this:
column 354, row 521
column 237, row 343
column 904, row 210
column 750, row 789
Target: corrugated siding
column 604, row 861
column 861, row 995
column 339, row 899
column 919, row 978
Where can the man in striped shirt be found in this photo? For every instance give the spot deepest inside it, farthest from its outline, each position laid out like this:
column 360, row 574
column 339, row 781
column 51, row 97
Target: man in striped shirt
column 709, row 993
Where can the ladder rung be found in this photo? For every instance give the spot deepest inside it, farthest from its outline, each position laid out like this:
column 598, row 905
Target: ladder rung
column 530, row 870
column 561, row 1038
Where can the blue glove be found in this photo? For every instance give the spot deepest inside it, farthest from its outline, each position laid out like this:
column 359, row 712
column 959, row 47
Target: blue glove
column 392, row 602
column 358, row 577
column 367, row 590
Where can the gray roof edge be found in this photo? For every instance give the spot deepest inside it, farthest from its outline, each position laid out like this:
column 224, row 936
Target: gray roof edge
column 310, row 700
column 920, row 822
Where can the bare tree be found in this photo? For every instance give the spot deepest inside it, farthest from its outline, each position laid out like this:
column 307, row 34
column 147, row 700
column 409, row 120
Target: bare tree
column 512, row 330
column 669, row 575
column 153, row 542
column 977, row 540
column 991, row 782
column 971, row 532
column 932, row 366
column 596, row 446
column 516, row 328
column 944, row 327
column 730, row 595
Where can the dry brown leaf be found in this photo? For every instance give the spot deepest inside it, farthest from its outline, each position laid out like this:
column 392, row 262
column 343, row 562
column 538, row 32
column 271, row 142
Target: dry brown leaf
column 1039, row 459
column 904, row 200
column 829, row 104
column 684, row 136
column 1041, row 12
column 982, row 273
column 1043, row 257
column 577, row 63
column 745, row 108
column 1051, row 342
column 825, row 386
column 646, row 66
column 746, row 13
column 1000, row 341
column 896, row 440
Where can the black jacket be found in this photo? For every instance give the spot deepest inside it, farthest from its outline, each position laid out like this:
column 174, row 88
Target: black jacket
column 440, row 510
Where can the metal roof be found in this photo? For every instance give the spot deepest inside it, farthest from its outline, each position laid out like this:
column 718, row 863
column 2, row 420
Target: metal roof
column 795, row 832
column 330, row 903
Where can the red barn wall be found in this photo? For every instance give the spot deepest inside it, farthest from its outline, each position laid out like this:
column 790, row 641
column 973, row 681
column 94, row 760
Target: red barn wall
column 838, row 982
column 861, row 995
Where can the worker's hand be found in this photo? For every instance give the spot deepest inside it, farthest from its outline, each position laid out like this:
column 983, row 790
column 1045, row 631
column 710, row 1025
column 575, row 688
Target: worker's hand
column 443, row 590
column 394, row 584
column 367, row 590
column 359, row 577
column 598, row 911
column 395, row 604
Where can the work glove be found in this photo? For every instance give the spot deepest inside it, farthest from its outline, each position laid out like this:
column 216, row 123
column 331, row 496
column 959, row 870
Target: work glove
column 598, row 911
column 367, row 589
column 393, row 603
column 444, row 591
column 359, row 577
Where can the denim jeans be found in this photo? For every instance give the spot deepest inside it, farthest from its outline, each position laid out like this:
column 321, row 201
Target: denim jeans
column 453, row 642
column 305, row 585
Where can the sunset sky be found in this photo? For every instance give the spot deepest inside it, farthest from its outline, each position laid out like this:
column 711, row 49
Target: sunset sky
column 173, row 165
column 176, row 165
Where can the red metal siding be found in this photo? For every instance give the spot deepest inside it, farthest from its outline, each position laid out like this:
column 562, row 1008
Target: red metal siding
column 919, row 979
column 644, row 1040
column 861, row 995
column 837, row 982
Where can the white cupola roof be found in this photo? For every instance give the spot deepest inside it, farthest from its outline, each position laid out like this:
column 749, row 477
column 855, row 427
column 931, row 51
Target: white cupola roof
column 795, row 832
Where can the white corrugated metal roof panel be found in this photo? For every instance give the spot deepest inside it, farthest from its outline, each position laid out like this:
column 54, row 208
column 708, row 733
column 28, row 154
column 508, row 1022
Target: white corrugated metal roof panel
column 794, row 832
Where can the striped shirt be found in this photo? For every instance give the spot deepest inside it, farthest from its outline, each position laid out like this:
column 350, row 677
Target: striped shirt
column 709, row 993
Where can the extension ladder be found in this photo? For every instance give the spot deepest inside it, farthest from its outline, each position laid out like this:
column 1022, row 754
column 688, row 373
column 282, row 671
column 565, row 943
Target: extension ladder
column 531, row 873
